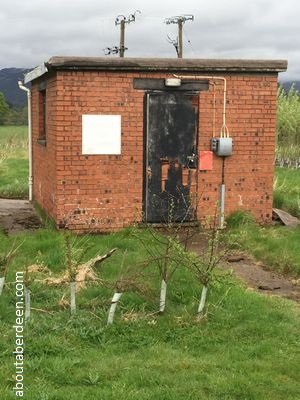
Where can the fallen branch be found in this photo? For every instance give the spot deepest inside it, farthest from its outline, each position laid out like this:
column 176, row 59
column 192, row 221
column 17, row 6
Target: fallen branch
column 94, row 262
column 84, row 273
column 38, row 268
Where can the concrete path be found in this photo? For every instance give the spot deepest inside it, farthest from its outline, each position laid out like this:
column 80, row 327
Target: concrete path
column 17, row 216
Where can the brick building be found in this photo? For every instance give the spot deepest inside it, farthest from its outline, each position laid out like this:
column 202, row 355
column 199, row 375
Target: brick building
column 117, row 141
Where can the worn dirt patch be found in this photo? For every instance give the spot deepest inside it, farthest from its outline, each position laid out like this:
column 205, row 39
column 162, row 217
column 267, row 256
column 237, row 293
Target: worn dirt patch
column 256, row 275
column 18, row 216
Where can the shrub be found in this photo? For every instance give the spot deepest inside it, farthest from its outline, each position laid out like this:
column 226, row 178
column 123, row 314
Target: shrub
column 288, row 117
column 239, row 218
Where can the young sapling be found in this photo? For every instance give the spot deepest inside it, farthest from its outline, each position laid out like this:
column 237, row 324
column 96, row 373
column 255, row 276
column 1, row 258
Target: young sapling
column 128, row 281
column 117, row 295
column 204, row 264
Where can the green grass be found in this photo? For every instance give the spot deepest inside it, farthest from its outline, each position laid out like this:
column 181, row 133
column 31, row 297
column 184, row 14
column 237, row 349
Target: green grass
column 276, row 246
column 288, row 117
column 287, row 190
column 288, row 152
column 245, row 348
column 13, row 162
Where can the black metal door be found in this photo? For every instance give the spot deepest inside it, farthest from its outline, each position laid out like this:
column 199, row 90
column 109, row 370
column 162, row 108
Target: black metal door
column 171, row 157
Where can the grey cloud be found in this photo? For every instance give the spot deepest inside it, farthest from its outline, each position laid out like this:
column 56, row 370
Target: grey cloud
column 33, row 31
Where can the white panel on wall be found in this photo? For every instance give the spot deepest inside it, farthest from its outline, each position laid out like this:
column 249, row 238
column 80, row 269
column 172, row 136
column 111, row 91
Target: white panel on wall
column 101, row 134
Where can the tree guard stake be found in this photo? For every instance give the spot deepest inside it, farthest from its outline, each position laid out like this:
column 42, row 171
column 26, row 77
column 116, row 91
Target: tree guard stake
column 114, row 302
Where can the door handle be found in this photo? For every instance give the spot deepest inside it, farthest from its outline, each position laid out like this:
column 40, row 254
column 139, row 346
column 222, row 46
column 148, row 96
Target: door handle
column 191, row 161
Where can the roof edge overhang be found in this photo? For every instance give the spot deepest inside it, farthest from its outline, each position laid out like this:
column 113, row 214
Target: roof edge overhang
column 157, row 65
column 35, row 73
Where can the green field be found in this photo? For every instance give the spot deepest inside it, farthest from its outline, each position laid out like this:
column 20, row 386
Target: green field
column 13, row 162
column 246, row 346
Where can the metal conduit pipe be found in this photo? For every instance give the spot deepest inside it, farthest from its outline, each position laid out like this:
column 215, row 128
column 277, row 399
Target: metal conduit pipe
column 223, row 133
column 22, row 87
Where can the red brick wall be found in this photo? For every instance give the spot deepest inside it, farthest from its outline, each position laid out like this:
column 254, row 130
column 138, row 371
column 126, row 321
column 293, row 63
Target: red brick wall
column 44, row 157
column 99, row 192
column 251, row 120
column 102, row 192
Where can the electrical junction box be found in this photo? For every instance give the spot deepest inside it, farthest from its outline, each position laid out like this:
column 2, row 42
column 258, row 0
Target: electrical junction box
column 222, row 146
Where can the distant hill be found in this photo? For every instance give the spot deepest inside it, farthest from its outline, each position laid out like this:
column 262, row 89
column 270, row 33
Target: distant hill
column 9, row 78
column 288, row 84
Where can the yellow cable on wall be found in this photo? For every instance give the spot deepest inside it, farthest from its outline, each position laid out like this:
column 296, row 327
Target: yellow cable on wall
column 224, row 132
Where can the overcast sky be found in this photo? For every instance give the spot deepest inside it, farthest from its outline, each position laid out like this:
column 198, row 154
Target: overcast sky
column 34, row 30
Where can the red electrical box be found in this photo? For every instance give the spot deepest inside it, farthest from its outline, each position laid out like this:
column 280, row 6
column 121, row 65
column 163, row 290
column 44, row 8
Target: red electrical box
column 206, row 160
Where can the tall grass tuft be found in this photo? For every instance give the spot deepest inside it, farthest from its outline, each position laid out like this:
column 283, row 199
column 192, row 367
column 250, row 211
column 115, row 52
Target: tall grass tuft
column 13, row 162
column 288, row 155
column 288, row 128
column 286, row 191
column 288, row 117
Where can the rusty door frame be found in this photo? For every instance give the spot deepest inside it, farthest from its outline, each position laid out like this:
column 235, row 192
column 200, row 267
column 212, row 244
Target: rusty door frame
column 147, row 95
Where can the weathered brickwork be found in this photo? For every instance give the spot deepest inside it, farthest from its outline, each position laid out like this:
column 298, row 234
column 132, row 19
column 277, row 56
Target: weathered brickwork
column 251, row 119
column 105, row 192
column 44, row 157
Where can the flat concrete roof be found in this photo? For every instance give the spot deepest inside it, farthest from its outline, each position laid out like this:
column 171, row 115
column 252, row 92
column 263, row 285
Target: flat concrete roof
column 164, row 64
column 157, row 64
